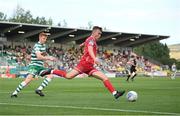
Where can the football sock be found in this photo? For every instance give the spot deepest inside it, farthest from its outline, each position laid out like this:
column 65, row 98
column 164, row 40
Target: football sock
column 19, row 88
column 133, row 76
column 59, row 73
column 109, row 86
column 44, row 83
column 128, row 77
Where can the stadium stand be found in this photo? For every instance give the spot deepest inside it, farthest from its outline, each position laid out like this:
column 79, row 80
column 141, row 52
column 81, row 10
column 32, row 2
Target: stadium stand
column 115, row 49
column 115, row 60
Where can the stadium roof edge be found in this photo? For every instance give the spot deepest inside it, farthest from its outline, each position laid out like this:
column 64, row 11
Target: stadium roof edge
column 65, row 34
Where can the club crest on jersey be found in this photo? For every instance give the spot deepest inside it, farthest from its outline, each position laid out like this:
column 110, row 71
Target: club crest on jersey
column 91, row 42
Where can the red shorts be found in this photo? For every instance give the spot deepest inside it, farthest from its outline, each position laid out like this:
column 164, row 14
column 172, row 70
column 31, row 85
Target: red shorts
column 85, row 67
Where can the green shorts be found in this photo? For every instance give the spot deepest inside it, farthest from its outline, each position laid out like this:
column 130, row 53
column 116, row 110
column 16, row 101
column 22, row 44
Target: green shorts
column 35, row 70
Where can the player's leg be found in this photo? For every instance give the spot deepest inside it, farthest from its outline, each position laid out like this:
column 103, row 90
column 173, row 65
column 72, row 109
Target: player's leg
column 73, row 73
column 173, row 75
column 68, row 75
column 133, row 75
column 44, row 84
column 57, row 72
column 128, row 77
column 28, row 79
column 99, row 75
column 78, row 69
column 129, row 74
column 61, row 73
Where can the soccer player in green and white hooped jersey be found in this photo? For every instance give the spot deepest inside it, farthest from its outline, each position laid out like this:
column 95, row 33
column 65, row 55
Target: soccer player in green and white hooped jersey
column 36, row 67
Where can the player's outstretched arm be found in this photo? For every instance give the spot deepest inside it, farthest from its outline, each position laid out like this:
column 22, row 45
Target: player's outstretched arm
column 41, row 57
column 91, row 53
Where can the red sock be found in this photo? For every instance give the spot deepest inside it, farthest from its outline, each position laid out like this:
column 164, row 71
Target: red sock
column 59, row 73
column 109, row 86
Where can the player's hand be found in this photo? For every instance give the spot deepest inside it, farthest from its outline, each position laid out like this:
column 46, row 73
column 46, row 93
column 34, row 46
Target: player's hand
column 52, row 58
column 98, row 61
column 81, row 45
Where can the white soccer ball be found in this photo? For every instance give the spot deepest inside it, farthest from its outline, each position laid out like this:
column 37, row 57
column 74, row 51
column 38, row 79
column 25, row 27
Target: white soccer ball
column 132, row 96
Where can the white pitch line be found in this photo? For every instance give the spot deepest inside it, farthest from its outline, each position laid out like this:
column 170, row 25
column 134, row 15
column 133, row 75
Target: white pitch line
column 23, row 92
column 91, row 108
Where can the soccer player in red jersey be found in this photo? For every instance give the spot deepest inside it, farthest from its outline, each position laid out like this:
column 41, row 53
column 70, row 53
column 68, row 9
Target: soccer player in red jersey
column 87, row 62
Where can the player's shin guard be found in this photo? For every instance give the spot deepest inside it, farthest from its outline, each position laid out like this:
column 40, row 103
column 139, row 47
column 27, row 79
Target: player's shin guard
column 109, row 86
column 19, row 88
column 59, row 73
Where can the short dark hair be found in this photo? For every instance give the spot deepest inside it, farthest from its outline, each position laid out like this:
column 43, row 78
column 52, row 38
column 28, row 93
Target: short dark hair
column 97, row 27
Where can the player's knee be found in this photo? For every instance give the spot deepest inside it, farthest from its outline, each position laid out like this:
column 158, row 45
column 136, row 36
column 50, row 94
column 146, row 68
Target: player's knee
column 50, row 76
column 69, row 76
column 28, row 80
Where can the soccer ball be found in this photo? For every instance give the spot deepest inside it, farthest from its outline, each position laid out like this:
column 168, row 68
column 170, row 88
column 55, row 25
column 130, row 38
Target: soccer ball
column 132, row 96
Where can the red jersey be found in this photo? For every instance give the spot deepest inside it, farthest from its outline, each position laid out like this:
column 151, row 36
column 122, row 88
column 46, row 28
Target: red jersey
column 90, row 41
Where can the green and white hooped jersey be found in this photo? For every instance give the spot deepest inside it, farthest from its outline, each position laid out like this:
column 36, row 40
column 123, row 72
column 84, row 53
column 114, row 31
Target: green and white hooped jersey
column 34, row 60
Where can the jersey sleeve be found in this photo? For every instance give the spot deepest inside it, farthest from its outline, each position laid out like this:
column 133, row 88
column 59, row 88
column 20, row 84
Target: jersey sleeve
column 36, row 49
column 90, row 43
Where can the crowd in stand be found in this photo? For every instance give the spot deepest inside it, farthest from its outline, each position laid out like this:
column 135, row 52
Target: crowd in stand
column 114, row 60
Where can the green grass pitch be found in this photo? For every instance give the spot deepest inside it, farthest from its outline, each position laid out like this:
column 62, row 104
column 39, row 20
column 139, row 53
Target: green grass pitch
column 87, row 96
